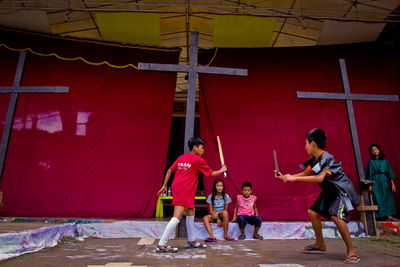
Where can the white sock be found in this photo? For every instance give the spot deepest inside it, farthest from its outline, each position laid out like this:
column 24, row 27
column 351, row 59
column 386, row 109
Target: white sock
column 190, row 227
column 171, row 226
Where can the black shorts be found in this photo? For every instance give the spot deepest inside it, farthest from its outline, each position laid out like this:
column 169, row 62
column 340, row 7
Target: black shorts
column 220, row 217
column 330, row 204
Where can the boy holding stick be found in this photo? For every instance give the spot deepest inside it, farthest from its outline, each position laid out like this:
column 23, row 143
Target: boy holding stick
column 337, row 196
column 186, row 168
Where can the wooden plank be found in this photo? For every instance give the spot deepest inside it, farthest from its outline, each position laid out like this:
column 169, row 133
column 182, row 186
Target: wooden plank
column 146, row 241
column 367, row 208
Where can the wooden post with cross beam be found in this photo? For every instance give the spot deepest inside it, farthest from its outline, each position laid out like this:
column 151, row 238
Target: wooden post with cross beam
column 349, row 97
column 14, row 91
column 192, row 69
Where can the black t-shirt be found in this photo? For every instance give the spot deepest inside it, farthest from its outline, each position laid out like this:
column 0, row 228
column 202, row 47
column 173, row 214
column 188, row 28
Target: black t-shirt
column 336, row 179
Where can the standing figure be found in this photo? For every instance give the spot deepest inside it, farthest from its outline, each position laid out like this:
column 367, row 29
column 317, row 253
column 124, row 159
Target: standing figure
column 379, row 171
column 218, row 203
column 337, row 197
column 186, row 168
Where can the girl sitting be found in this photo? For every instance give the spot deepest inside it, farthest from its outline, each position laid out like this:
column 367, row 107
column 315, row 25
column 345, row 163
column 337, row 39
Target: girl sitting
column 218, row 208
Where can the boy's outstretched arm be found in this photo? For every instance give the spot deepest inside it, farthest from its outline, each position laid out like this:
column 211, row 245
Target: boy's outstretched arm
column 306, row 172
column 308, row 179
column 216, row 173
column 164, row 187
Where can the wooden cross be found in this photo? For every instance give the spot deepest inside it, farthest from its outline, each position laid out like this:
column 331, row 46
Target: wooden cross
column 14, row 91
column 349, row 97
column 192, row 69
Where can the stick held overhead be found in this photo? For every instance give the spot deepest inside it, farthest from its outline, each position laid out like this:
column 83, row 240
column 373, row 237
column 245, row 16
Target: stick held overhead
column 221, row 154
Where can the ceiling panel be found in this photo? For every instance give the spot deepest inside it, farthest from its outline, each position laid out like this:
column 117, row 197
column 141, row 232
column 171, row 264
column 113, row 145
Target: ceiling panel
column 335, row 32
column 31, row 20
column 73, row 26
column 89, row 34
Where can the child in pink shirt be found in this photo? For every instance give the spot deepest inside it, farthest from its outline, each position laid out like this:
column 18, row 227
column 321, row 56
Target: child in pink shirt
column 246, row 212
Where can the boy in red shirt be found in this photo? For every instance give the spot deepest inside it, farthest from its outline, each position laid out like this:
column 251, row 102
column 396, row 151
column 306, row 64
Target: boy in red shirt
column 186, row 168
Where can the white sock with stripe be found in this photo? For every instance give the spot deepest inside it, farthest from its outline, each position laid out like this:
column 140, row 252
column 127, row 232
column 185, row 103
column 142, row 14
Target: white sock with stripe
column 171, row 226
column 190, row 228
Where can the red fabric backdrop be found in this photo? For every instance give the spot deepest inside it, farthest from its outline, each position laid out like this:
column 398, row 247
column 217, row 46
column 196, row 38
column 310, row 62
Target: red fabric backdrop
column 99, row 151
column 254, row 115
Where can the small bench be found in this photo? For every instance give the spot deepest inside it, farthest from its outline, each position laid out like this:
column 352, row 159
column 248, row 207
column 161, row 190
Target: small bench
column 160, row 204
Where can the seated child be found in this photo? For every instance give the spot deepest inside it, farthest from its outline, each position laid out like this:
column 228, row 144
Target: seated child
column 218, row 208
column 246, row 212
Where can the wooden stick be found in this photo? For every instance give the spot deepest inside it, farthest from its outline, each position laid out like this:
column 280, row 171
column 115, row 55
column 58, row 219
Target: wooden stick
column 221, row 154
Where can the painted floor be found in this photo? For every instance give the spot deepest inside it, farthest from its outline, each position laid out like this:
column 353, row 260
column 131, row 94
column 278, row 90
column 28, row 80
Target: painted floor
column 377, row 251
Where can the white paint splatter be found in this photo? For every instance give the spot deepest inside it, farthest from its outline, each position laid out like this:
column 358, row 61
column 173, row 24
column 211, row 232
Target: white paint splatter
column 90, row 247
column 178, row 255
column 188, row 256
column 221, row 247
column 101, row 249
column 107, row 257
column 99, row 254
column 78, row 257
column 253, row 254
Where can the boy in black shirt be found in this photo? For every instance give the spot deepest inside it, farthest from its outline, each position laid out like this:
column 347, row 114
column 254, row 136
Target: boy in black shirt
column 337, row 197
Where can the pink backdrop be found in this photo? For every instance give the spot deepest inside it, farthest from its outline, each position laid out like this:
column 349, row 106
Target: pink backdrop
column 254, row 115
column 99, row 151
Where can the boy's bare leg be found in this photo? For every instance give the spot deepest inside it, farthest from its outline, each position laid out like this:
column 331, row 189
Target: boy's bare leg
column 178, row 212
column 190, row 212
column 317, row 226
column 344, row 232
column 207, row 224
column 256, row 230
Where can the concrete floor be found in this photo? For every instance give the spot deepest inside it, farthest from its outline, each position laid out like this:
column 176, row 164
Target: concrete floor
column 109, row 252
column 8, row 227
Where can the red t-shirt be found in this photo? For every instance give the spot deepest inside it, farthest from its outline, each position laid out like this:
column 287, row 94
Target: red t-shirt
column 187, row 168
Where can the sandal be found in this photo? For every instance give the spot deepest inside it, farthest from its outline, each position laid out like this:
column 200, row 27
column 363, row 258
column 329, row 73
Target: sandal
column 210, row 239
column 231, row 239
column 195, row 244
column 257, row 236
column 242, row 237
column 166, row 249
column 349, row 260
